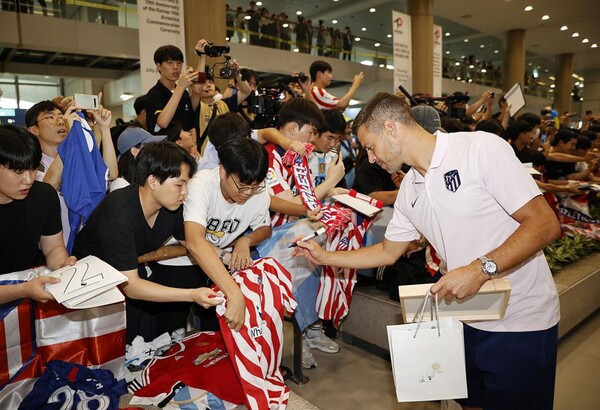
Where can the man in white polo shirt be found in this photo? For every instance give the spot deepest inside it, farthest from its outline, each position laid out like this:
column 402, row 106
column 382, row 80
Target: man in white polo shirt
column 468, row 194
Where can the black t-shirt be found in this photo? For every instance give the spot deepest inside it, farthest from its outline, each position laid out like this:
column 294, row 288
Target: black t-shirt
column 370, row 177
column 117, row 231
column 157, row 99
column 559, row 170
column 22, row 223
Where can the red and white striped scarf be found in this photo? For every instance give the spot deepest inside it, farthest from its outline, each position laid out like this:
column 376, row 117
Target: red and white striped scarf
column 256, row 349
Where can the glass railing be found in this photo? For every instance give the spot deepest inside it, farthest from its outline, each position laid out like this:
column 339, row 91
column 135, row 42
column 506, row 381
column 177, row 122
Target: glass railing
column 121, row 13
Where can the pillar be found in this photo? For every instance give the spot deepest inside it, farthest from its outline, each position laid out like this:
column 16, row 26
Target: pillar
column 421, row 12
column 514, row 59
column 204, row 19
column 564, row 83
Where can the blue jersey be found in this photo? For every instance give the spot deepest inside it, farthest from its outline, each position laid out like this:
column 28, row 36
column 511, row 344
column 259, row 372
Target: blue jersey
column 72, row 386
column 84, row 176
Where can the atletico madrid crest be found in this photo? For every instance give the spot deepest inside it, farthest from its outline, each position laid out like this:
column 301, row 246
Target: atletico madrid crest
column 452, row 180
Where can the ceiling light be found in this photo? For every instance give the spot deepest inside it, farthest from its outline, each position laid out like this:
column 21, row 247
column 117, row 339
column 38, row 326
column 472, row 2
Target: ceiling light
column 457, row 63
column 372, row 10
column 333, row 21
column 458, row 78
column 496, row 51
column 259, row 3
column 376, row 44
column 381, row 65
column 585, row 40
column 575, row 34
column 247, row 18
column 482, row 46
column 552, row 78
column 299, row 13
column 447, row 51
column 335, row 1
column 564, row 28
column 528, row 8
column 226, row 38
column 285, row 25
column 126, row 96
column 545, row 17
column 552, row 85
column 447, row 34
column 296, row 50
column 471, row 66
column 356, row 38
column 389, row 67
column 462, row 56
column 389, row 36
column 466, row 40
column 244, row 39
column 594, row 45
column 363, row 29
column 367, row 62
column 483, row 70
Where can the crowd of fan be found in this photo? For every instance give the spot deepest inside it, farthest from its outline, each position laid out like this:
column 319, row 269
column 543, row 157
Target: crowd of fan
column 185, row 130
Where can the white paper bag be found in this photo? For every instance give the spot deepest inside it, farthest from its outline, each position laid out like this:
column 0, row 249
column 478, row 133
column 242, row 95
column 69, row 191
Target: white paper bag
column 428, row 366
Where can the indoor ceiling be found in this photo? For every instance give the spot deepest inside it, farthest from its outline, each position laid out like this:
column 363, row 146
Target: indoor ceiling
column 483, row 22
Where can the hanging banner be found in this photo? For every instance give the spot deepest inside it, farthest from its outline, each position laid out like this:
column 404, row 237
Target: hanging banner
column 160, row 23
column 437, row 61
column 402, row 50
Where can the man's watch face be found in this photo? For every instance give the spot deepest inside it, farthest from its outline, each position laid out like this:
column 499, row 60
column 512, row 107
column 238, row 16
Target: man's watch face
column 490, row 268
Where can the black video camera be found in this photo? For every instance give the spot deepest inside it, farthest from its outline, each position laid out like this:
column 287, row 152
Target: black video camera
column 265, row 103
column 212, row 50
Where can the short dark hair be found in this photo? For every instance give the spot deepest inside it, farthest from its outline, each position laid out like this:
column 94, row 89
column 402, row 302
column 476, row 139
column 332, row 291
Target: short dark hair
column 246, row 158
column 531, row 118
column 319, row 66
column 451, row 124
column 302, row 112
column 491, row 126
column 165, row 53
column 248, row 73
column 536, row 158
column 591, row 135
column 516, row 128
column 139, row 104
column 381, row 107
column 32, row 114
column 173, row 132
column 583, row 143
column 163, row 160
column 565, row 135
column 334, row 122
column 226, row 127
column 20, row 150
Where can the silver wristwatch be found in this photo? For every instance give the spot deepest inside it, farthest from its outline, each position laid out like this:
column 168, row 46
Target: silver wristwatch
column 488, row 267
column 222, row 256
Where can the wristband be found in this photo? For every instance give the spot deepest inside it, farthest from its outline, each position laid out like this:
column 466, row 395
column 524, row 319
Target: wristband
column 222, row 256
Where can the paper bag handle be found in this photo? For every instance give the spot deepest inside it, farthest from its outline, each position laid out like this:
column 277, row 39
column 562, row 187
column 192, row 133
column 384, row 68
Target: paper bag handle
column 434, row 311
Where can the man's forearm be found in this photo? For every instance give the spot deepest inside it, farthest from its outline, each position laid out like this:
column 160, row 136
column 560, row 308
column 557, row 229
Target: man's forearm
column 209, row 262
column 143, row 289
column 8, row 293
column 372, row 256
column 560, row 157
column 56, row 257
column 258, row 235
column 166, row 116
column 53, row 175
column 108, row 154
column 343, row 102
column 287, row 207
column 387, row 197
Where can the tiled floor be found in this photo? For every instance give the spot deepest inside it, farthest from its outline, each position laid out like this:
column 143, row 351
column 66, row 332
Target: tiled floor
column 355, row 379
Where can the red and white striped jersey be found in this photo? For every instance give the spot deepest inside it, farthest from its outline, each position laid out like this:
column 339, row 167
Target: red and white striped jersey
column 199, row 361
column 256, row 349
column 323, row 99
column 279, row 179
column 337, row 284
column 33, row 334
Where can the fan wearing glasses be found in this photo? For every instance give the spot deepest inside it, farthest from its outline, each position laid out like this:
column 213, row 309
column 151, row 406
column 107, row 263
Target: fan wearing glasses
column 228, row 207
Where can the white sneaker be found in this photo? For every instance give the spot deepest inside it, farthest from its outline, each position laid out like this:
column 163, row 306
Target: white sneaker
column 320, row 341
column 308, row 360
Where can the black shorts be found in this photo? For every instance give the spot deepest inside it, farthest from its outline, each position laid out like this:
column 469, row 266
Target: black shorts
column 510, row 370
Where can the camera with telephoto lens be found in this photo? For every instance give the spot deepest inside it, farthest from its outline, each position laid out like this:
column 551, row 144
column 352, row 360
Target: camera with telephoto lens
column 302, row 77
column 265, row 103
column 212, row 50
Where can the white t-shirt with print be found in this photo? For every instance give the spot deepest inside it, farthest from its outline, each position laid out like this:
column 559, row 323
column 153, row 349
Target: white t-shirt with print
column 318, row 165
column 463, row 206
column 224, row 222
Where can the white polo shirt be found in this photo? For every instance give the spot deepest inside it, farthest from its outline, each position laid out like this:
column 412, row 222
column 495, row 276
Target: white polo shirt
column 463, row 207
